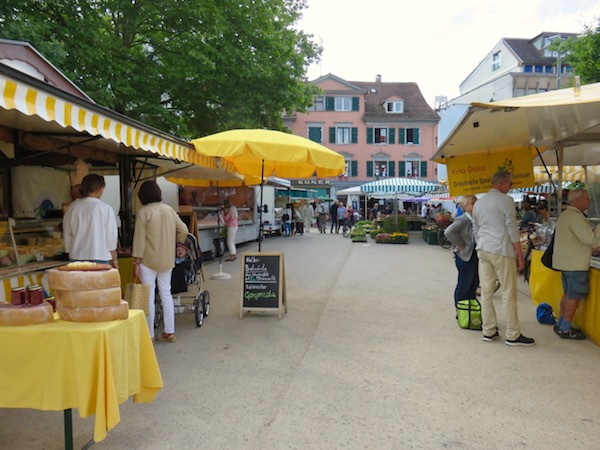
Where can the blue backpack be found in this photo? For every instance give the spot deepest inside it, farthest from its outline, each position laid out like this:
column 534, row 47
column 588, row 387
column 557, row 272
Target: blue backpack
column 544, row 314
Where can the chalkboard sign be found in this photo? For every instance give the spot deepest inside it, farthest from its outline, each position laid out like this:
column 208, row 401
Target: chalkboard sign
column 263, row 283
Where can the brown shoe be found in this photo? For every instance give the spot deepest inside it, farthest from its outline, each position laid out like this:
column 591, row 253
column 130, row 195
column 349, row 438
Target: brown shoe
column 169, row 337
column 231, row 258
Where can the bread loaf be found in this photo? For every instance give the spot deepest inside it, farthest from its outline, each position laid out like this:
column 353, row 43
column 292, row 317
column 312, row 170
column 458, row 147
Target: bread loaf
column 13, row 315
column 93, row 313
column 73, row 280
column 89, row 297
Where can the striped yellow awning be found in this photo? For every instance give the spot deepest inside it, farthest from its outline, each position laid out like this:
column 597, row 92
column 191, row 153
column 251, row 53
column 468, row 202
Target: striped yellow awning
column 83, row 116
column 570, row 173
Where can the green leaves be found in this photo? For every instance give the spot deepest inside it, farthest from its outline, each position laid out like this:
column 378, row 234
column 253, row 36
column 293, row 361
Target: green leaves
column 187, row 67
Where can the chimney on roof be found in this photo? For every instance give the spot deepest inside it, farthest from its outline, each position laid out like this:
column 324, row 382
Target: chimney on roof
column 378, row 78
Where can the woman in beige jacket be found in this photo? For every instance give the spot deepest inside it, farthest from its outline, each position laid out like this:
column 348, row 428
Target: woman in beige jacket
column 158, row 228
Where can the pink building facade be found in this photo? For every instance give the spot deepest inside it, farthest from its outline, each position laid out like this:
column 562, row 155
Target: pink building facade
column 381, row 129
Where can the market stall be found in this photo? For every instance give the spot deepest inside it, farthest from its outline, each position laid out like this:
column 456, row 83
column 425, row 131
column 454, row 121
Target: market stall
column 93, row 367
column 556, row 128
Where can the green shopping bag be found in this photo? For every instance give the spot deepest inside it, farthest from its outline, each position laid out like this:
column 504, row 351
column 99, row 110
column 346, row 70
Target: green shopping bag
column 468, row 313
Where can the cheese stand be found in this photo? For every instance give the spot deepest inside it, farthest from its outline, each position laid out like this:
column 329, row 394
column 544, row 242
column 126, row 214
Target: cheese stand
column 546, row 286
column 93, row 367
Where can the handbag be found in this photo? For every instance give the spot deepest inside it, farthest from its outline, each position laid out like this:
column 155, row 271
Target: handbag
column 468, row 314
column 138, row 295
column 547, row 256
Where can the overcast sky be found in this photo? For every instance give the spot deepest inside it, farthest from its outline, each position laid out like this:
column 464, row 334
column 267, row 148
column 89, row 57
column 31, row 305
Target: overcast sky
column 435, row 43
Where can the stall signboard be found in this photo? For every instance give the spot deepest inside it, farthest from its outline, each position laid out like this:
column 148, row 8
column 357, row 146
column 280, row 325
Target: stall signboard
column 472, row 174
column 263, row 283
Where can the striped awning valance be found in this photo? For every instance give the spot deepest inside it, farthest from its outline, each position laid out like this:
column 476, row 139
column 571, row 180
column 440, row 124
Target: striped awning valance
column 399, row 185
column 85, row 116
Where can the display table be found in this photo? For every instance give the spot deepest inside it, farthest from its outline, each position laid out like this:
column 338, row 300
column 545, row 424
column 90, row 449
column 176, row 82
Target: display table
column 93, row 367
column 546, row 286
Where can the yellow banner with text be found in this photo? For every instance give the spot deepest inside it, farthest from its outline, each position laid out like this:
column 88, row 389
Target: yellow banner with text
column 472, row 174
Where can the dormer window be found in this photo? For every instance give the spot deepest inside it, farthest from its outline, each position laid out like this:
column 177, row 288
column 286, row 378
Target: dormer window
column 395, row 106
column 496, row 61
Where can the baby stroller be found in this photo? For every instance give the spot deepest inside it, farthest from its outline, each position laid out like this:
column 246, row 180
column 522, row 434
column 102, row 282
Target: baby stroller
column 187, row 271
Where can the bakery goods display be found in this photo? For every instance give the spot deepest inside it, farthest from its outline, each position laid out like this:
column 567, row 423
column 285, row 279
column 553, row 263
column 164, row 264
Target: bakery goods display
column 26, row 314
column 87, row 292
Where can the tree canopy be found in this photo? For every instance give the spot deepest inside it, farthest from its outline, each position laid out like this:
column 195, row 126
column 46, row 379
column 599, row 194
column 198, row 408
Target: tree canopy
column 187, row 67
column 583, row 54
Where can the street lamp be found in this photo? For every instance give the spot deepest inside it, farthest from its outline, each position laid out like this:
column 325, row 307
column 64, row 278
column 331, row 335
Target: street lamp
column 558, row 62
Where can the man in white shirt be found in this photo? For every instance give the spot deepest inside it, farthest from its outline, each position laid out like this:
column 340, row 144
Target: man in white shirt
column 498, row 245
column 90, row 226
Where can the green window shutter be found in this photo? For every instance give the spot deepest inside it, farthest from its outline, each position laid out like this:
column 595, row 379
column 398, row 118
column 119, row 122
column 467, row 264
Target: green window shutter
column 369, row 168
column 355, row 104
column 401, row 168
column 332, row 135
column 354, row 137
column 423, row 169
column 391, row 136
column 370, row 137
column 416, row 136
column 329, row 103
column 391, row 168
column 313, row 134
column 353, row 168
column 401, row 136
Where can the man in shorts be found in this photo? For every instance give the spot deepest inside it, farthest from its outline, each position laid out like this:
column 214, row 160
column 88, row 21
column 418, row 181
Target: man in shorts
column 573, row 243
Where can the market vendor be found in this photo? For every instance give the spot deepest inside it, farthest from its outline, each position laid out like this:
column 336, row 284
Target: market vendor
column 573, row 242
column 90, row 226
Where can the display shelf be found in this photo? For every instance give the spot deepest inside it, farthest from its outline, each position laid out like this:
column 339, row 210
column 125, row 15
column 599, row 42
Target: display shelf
column 25, row 242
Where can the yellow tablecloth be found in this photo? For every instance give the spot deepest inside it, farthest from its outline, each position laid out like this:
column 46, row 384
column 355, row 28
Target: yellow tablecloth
column 93, row 367
column 546, row 286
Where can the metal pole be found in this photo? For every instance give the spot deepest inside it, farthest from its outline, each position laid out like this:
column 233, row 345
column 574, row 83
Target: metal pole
column 260, row 208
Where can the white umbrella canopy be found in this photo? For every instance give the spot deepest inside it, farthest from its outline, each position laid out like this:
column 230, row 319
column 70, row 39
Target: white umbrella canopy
column 567, row 120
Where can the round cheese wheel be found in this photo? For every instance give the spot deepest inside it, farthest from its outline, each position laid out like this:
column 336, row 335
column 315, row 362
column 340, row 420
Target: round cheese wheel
column 12, row 315
column 89, row 297
column 65, row 280
column 93, row 313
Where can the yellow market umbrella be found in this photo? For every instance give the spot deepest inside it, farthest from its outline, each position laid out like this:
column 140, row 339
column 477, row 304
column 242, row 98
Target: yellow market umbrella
column 271, row 153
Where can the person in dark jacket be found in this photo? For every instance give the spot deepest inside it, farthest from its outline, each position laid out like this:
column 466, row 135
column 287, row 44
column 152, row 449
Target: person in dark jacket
column 333, row 214
column 460, row 234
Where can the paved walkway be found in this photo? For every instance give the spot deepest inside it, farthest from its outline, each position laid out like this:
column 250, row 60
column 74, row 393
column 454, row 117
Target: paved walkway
column 368, row 357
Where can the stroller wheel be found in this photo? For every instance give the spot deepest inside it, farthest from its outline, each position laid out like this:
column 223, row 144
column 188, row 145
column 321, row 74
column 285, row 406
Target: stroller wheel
column 206, row 303
column 198, row 310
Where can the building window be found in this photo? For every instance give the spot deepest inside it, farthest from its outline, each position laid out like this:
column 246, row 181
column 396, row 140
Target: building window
column 412, row 169
column 394, row 107
column 343, row 104
column 528, row 68
column 342, row 135
column 318, row 104
column 380, row 135
column 549, row 69
column 409, row 136
column 315, row 133
column 539, row 69
column 496, row 61
column 380, row 169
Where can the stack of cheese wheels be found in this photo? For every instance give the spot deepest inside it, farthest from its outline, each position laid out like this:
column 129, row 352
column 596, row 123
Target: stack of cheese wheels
column 87, row 292
column 11, row 315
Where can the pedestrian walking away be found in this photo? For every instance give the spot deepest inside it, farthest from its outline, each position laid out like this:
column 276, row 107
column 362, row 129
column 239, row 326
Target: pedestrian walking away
column 321, row 212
